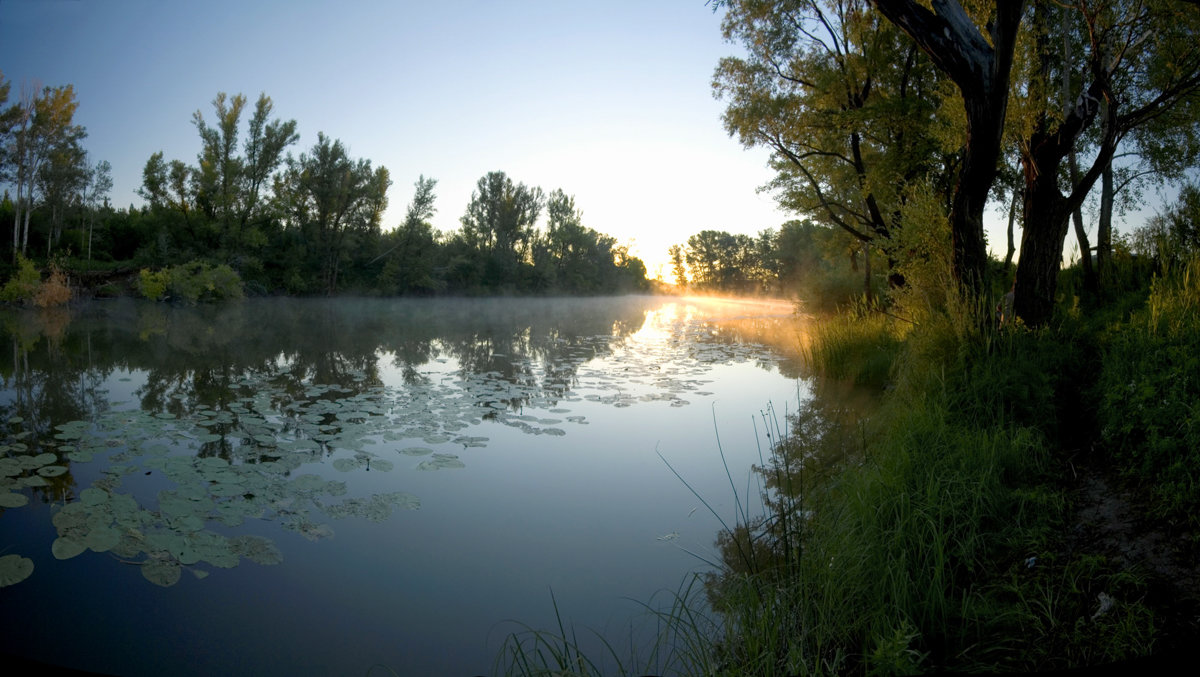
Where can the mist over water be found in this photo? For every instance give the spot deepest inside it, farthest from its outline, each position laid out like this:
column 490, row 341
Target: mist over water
column 289, row 486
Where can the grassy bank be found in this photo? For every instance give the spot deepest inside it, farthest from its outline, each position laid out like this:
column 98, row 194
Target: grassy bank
column 966, row 526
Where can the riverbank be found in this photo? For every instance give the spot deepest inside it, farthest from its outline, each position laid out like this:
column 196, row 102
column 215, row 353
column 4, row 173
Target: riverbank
column 1024, row 500
column 1021, row 501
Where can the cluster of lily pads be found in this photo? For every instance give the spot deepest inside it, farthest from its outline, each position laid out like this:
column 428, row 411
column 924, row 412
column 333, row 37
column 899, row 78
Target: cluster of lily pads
column 172, row 486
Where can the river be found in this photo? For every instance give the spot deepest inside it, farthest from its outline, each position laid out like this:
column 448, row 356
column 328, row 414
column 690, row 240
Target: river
column 288, row 487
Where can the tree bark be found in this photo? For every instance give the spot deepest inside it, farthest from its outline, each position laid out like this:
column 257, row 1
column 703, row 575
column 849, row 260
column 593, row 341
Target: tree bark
column 981, row 69
column 1085, row 247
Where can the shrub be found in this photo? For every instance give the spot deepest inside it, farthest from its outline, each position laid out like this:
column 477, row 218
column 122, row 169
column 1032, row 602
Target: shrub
column 153, row 284
column 193, row 282
column 24, row 283
column 55, row 291
column 197, row 281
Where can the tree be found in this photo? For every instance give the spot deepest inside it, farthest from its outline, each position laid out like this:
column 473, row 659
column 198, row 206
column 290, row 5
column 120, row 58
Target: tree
column 333, row 200
column 847, row 106
column 678, row 268
column 499, row 225
column 42, row 126
column 1141, row 61
column 62, row 180
column 980, row 66
column 99, row 184
column 411, row 257
column 221, row 200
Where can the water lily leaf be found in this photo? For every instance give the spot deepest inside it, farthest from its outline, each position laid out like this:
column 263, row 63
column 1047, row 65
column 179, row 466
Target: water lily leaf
column 346, row 464
column 52, row 470
column 200, row 574
column 416, row 451
column 161, row 572
column 103, row 539
column 14, row 569
column 12, row 500
column 441, row 462
column 93, row 496
column 381, row 465
column 256, row 549
column 34, row 481
column 65, row 548
column 42, row 459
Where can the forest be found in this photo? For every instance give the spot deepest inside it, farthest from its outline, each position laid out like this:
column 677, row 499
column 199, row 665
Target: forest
column 250, row 212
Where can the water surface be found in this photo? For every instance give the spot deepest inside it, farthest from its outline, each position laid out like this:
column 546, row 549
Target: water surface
column 319, row 486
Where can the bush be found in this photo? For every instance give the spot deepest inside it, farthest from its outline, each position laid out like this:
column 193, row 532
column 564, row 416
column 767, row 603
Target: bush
column 55, row 291
column 193, row 282
column 24, row 283
column 197, row 281
column 153, row 284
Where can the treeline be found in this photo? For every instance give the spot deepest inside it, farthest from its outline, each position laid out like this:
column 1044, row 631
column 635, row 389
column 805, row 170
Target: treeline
column 310, row 223
column 822, row 266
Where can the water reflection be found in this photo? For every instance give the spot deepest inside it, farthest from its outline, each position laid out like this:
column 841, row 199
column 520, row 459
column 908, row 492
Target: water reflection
column 159, row 432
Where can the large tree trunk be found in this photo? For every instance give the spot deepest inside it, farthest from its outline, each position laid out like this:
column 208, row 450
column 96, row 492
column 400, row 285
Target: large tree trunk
column 980, row 66
column 1046, row 220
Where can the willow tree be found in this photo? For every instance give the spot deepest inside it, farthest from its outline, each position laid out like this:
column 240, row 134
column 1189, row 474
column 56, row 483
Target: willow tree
column 333, row 201
column 845, row 102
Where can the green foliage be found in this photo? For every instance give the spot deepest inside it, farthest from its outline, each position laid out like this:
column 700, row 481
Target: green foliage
column 192, row 282
column 198, row 281
column 24, row 283
column 930, row 544
column 855, row 347
column 1149, row 392
column 153, row 284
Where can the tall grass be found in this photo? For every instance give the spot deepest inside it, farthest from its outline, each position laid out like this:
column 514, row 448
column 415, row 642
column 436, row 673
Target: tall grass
column 856, row 347
column 1149, row 394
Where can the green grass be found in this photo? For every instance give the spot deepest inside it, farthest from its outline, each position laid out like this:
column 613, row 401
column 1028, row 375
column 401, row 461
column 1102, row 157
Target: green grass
column 860, row 348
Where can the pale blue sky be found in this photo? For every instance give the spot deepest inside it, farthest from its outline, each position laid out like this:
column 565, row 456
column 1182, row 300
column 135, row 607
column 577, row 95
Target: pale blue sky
column 610, row 101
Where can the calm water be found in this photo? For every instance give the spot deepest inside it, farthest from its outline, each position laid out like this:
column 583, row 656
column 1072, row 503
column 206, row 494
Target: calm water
column 315, row 487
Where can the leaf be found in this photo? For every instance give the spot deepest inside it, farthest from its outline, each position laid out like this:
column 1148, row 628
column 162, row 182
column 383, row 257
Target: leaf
column 65, row 548
column 11, row 499
column 161, row 572
column 14, row 569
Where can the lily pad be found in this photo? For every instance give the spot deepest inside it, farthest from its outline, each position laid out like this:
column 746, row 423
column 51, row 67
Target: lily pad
column 11, row 499
column 441, row 462
column 65, row 548
column 416, row 451
column 161, row 572
column 52, row 470
column 103, row 539
column 14, row 569
column 256, row 549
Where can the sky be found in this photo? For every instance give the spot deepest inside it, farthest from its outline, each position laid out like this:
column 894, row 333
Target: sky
column 609, row 101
